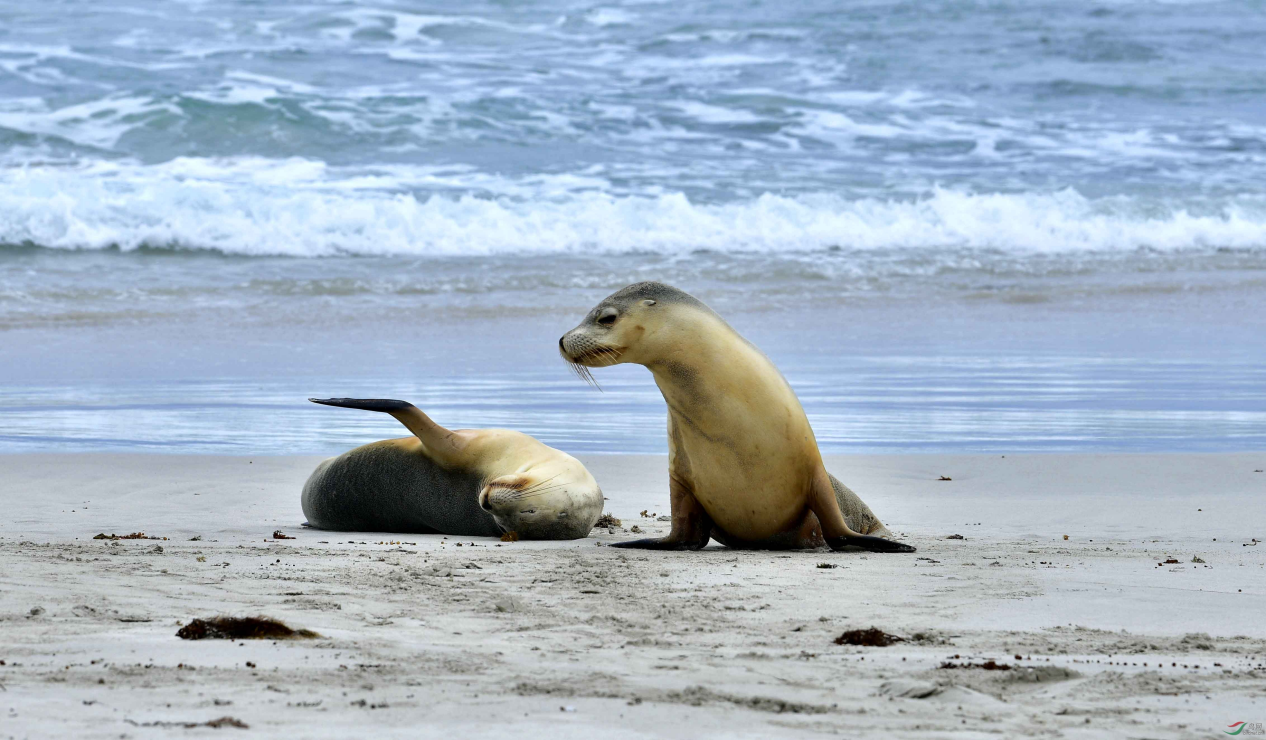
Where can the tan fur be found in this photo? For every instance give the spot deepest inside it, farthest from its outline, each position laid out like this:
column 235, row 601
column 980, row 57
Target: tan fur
column 739, row 442
column 526, row 486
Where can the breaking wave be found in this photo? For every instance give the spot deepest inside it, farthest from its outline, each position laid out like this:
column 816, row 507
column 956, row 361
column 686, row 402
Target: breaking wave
column 302, row 208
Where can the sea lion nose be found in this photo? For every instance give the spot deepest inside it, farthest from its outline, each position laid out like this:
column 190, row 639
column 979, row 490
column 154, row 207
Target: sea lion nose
column 484, row 502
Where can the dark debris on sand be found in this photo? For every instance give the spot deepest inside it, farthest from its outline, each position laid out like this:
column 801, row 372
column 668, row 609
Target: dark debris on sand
column 214, row 723
column 988, row 665
column 872, row 637
column 133, row 536
column 240, row 628
column 607, row 521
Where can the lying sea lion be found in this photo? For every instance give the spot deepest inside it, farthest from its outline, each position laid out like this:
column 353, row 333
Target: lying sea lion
column 743, row 464
column 467, row 482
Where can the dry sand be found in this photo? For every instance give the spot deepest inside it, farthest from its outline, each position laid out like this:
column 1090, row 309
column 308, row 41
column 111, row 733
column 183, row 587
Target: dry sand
column 437, row 637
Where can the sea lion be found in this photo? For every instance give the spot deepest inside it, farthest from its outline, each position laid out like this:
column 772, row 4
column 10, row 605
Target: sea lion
column 467, row 482
column 743, row 464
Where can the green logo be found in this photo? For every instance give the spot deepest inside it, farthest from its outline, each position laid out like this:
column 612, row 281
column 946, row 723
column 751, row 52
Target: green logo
column 1239, row 727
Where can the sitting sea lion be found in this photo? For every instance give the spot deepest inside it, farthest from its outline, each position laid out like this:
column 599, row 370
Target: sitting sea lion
column 467, row 482
column 743, row 464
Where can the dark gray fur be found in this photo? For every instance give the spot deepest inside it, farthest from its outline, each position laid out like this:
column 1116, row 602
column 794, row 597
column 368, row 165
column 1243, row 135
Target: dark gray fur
column 856, row 513
column 650, row 290
column 383, row 488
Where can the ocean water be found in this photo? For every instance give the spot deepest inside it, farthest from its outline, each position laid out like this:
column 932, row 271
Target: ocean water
column 955, row 226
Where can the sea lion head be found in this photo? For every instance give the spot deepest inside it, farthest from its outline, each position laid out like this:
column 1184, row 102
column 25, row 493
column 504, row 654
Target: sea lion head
column 626, row 326
column 553, row 503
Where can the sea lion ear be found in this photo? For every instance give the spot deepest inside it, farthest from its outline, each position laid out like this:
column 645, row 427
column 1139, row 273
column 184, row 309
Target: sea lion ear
column 648, row 302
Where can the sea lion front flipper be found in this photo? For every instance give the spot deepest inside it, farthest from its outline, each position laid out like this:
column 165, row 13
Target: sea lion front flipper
column 692, row 527
column 440, row 444
column 868, row 543
column 650, row 543
column 387, row 405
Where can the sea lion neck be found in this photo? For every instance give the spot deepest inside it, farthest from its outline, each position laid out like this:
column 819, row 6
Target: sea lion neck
column 696, row 363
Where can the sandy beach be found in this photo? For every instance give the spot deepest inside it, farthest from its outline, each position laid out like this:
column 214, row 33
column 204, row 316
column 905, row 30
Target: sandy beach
column 1060, row 576
column 1009, row 256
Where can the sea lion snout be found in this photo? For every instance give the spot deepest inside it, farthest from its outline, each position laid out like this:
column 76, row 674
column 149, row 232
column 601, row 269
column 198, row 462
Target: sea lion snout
column 576, row 345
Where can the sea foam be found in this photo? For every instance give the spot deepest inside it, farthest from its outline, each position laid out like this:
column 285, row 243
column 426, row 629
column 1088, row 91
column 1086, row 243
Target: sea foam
column 303, row 208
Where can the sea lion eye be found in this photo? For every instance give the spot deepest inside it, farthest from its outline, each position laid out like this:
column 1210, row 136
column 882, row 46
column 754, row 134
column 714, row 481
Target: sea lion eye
column 648, row 302
column 608, row 317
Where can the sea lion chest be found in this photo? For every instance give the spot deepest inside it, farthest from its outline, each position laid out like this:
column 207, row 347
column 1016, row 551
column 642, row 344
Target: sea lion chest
column 739, row 439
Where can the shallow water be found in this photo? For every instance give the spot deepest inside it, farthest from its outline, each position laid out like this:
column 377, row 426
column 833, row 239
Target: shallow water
column 222, row 359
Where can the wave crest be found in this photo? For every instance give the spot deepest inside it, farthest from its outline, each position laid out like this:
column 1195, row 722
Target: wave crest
column 300, row 208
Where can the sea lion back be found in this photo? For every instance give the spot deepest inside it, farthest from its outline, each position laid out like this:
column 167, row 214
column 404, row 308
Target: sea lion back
column 390, row 486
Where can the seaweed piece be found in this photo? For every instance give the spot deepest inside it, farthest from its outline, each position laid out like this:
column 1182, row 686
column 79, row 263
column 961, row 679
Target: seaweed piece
column 216, row 723
column 873, row 637
column 240, row 628
column 988, row 665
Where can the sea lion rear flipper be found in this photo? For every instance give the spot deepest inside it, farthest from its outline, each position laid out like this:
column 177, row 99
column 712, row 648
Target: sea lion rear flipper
column 835, row 529
column 856, row 513
column 440, row 444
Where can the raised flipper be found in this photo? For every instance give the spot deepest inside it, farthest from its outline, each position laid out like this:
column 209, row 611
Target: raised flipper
column 440, row 444
column 365, row 404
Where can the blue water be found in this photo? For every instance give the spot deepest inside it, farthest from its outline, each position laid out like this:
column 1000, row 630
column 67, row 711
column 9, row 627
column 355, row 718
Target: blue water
column 954, row 225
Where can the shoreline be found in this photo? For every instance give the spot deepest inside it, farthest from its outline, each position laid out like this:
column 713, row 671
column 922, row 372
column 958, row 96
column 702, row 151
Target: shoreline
column 1124, row 494
column 421, row 636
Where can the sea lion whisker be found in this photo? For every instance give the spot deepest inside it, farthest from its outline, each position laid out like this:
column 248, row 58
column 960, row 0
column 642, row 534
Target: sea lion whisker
column 537, row 485
column 540, row 483
column 535, row 494
column 532, row 492
column 608, row 356
column 583, row 373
